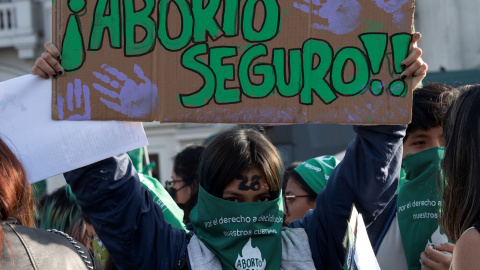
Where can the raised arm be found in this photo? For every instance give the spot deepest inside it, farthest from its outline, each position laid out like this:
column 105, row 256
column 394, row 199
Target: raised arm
column 125, row 217
column 367, row 177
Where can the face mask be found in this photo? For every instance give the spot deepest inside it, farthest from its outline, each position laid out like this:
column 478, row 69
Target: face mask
column 243, row 235
column 173, row 192
column 418, row 204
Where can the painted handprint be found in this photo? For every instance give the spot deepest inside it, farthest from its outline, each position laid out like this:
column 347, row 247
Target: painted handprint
column 136, row 101
column 395, row 8
column 343, row 15
column 76, row 90
column 391, row 6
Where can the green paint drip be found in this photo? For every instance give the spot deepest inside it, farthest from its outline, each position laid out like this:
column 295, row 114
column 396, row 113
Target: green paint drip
column 390, row 70
column 368, row 120
column 373, row 26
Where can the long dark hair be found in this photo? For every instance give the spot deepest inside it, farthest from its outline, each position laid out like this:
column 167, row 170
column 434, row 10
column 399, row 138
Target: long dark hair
column 16, row 198
column 234, row 151
column 461, row 195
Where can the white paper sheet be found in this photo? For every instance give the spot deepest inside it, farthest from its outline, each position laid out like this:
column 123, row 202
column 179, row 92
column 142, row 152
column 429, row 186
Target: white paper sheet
column 46, row 147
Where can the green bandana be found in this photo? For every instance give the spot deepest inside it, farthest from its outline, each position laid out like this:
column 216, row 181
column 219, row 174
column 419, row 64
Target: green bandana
column 243, row 235
column 316, row 171
column 171, row 212
column 418, row 202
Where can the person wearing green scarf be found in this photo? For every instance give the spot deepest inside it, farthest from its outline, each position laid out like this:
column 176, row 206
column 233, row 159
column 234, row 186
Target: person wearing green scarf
column 238, row 219
column 303, row 183
column 410, row 226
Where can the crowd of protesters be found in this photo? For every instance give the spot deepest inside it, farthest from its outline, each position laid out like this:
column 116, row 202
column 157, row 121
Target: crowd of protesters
column 233, row 211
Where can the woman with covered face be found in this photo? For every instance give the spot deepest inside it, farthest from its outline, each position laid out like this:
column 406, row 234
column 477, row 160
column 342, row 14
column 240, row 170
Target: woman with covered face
column 238, row 218
column 184, row 184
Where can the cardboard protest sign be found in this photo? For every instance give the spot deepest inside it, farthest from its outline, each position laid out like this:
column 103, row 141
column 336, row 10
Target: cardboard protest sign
column 235, row 61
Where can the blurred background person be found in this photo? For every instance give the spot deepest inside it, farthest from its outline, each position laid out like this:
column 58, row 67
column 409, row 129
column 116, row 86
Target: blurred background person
column 183, row 187
column 60, row 211
column 23, row 247
column 302, row 184
column 460, row 215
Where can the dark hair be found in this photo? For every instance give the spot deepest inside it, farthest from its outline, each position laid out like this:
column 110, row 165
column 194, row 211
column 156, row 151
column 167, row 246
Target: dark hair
column 16, row 199
column 234, row 151
column 430, row 103
column 290, row 173
column 461, row 195
column 60, row 211
column 185, row 165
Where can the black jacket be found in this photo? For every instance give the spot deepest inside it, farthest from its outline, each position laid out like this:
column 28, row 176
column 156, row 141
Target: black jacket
column 30, row 248
column 132, row 226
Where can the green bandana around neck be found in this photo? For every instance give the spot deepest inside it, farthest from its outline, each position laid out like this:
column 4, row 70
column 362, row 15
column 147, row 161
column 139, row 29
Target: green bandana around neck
column 243, row 235
column 316, row 171
column 418, row 204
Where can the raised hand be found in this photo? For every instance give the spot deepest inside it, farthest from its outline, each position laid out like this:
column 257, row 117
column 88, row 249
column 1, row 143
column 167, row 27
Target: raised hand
column 78, row 90
column 136, row 101
column 414, row 64
column 48, row 64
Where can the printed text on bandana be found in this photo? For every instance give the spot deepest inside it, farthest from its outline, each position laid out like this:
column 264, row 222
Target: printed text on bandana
column 431, row 204
column 245, row 219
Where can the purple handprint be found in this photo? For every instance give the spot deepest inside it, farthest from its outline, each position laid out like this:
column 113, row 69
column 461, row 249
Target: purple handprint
column 343, row 15
column 136, row 101
column 391, row 6
column 394, row 7
column 77, row 91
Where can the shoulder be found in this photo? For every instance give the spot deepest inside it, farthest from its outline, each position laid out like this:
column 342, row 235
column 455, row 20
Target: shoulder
column 47, row 250
column 465, row 254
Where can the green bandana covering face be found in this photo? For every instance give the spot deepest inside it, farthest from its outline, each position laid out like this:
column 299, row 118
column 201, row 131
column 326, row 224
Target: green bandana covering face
column 243, row 235
column 418, row 204
column 316, row 171
column 171, row 212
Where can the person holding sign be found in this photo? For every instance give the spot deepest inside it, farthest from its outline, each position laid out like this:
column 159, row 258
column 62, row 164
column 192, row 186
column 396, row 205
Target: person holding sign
column 409, row 224
column 238, row 219
column 460, row 216
column 303, row 183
